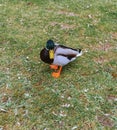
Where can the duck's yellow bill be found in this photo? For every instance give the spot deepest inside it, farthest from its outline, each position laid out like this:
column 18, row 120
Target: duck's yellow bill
column 51, row 54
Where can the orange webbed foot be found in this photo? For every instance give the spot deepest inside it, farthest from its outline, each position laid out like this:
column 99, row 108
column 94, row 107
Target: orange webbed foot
column 57, row 74
column 55, row 67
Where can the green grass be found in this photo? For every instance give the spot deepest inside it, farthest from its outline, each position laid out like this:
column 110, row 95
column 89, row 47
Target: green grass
column 85, row 96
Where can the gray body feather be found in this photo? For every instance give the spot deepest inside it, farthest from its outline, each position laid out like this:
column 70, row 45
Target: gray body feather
column 64, row 55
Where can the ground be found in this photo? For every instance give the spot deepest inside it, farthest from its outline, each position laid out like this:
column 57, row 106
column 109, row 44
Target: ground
column 85, row 95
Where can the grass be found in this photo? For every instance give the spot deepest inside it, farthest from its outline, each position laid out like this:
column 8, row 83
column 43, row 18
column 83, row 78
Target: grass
column 84, row 97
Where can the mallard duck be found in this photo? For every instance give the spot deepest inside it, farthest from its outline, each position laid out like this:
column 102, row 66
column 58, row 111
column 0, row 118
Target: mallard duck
column 58, row 56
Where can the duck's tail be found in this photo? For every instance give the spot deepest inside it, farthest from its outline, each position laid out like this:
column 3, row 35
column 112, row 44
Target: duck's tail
column 79, row 52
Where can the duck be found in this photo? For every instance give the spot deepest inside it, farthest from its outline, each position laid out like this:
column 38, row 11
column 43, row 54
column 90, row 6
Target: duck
column 57, row 56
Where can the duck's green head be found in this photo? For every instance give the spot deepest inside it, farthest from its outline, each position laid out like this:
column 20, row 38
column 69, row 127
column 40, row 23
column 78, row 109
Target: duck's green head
column 50, row 45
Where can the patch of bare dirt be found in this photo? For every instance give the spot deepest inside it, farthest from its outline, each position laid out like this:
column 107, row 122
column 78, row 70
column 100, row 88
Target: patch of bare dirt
column 105, row 121
column 112, row 97
column 63, row 12
column 104, row 47
column 63, row 26
column 101, row 60
column 54, row 23
column 4, row 42
column 67, row 26
column 114, row 35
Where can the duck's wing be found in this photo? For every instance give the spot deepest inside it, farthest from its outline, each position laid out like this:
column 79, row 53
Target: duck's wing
column 64, row 55
column 68, row 56
column 67, row 51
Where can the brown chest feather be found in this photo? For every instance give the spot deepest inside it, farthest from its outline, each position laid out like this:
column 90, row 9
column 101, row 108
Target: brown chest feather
column 44, row 55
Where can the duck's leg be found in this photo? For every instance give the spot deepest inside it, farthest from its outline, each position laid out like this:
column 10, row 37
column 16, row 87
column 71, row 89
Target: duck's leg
column 55, row 67
column 57, row 74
